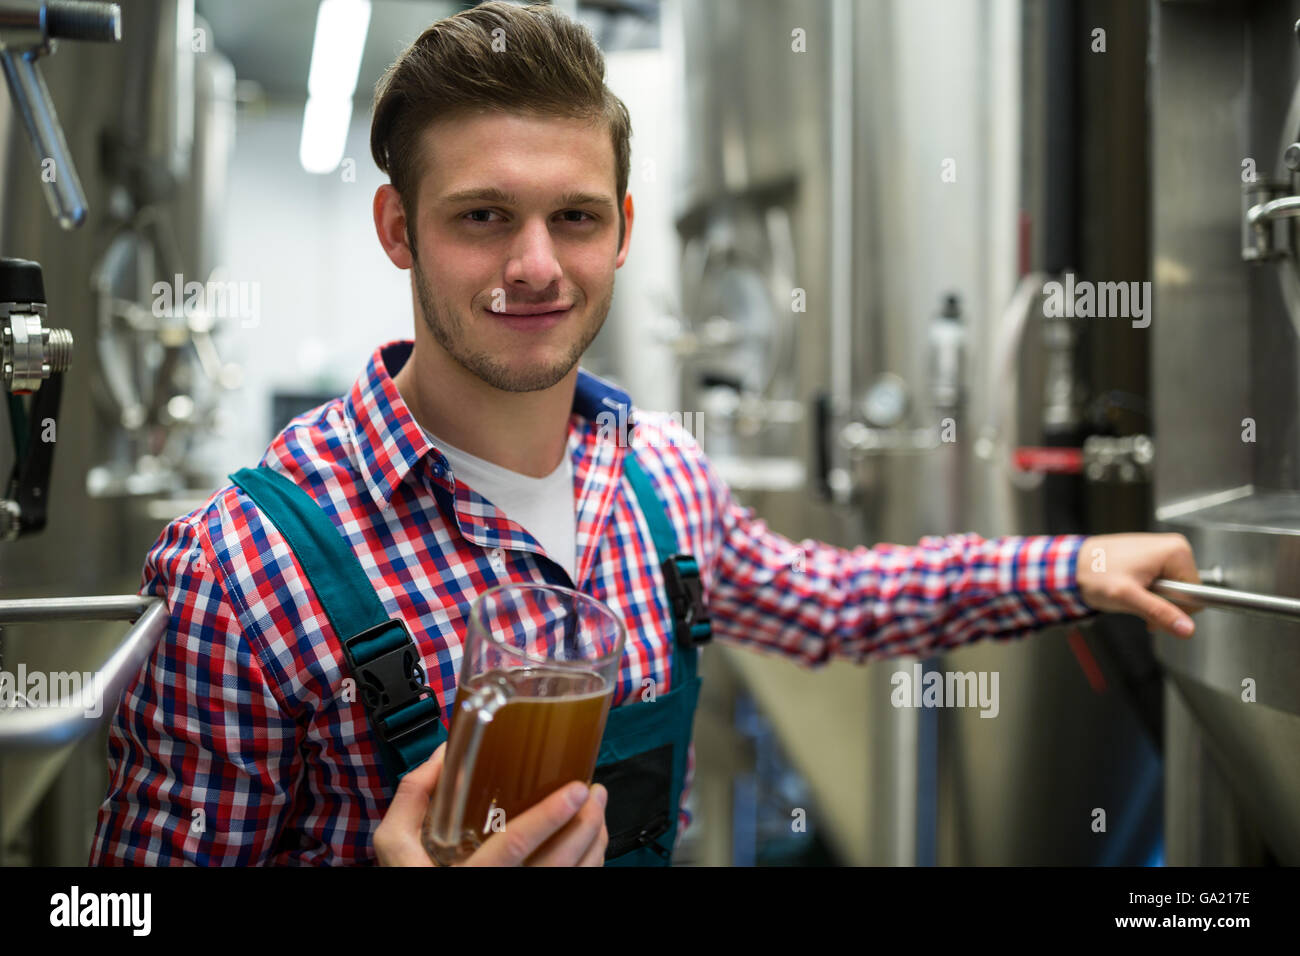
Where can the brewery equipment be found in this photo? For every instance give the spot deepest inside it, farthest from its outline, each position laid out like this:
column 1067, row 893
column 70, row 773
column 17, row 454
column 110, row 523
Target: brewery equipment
column 1226, row 115
column 148, row 117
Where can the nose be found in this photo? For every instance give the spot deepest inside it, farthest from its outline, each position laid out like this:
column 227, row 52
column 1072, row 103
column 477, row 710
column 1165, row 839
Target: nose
column 532, row 258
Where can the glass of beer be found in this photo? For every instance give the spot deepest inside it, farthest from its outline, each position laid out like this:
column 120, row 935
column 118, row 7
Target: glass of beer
column 536, row 682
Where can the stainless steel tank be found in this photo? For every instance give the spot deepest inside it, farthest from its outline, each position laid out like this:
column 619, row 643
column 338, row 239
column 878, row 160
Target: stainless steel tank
column 818, row 137
column 1226, row 106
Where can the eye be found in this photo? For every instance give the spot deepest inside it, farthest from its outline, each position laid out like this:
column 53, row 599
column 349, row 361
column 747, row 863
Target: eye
column 479, row 212
column 578, row 212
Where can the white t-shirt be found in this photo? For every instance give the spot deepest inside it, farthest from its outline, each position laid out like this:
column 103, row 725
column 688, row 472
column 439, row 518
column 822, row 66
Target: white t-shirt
column 544, row 507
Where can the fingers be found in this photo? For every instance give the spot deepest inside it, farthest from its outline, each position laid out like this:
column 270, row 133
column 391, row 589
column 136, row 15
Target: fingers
column 595, row 855
column 524, row 834
column 396, row 839
column 416, row 788
column 582, row 841
column 1158, row 613
column 1181, row 566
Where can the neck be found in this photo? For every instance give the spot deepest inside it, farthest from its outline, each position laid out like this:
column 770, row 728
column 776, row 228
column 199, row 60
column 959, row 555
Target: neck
column 525, row 432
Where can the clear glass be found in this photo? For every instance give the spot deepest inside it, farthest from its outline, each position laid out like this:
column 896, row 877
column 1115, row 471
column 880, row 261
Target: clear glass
column 535, row 687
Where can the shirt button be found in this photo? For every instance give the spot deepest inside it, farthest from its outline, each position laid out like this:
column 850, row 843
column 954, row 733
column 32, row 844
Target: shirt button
column 498, row 559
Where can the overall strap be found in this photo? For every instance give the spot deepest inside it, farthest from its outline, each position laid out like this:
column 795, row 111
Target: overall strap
column 385, row 662
column 681, row 574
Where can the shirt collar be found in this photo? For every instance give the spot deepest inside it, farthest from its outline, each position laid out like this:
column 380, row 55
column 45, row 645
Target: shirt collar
column 390, row 442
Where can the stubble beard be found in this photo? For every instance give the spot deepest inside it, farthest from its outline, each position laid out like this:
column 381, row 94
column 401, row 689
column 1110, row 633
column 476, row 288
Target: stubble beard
column 449, row 332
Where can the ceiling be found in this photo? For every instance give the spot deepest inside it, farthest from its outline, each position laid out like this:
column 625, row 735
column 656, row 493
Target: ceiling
column 271, row 43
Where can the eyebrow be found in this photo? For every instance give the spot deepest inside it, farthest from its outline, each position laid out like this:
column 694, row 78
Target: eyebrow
column 492, row 194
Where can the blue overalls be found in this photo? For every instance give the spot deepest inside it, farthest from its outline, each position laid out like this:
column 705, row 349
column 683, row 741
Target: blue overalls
column 643, row 752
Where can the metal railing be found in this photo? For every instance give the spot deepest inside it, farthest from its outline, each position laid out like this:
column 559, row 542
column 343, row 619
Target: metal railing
column 55, row 724
column 1215, row 595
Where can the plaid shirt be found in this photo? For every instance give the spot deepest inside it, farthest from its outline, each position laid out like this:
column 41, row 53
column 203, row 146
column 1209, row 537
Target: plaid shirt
column 233, row 745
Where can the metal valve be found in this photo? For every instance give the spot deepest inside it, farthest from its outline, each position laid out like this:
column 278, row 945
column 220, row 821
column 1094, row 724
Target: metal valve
column 32, row 360
column 30, row 351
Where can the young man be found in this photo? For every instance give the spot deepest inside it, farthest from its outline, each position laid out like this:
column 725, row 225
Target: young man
column 481, row 455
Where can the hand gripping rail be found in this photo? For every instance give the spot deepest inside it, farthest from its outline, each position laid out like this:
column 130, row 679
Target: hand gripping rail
column 1224, row 598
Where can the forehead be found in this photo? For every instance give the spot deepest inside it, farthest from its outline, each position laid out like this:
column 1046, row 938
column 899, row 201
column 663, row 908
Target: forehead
column 518, row 153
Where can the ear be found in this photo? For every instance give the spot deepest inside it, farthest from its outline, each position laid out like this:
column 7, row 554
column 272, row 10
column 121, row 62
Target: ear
column 627, row 231
column 390, row 225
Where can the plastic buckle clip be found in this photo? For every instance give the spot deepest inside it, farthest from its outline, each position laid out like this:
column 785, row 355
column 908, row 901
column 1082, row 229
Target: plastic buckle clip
column 391, row 681
column 686, row 591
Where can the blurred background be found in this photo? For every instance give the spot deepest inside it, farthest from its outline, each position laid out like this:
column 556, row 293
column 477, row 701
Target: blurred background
column 921, row 170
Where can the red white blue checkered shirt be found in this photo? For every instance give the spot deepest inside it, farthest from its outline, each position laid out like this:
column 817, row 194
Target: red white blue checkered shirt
column 234, row 745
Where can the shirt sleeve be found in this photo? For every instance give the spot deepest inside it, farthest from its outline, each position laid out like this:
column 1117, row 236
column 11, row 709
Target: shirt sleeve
column 201, row 755
column 813, row 601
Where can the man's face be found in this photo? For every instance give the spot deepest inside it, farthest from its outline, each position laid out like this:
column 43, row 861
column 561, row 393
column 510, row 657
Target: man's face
column 516, row 213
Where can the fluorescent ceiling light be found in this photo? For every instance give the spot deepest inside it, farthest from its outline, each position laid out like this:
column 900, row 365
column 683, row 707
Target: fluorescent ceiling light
column 341, row 27
column 324, row 133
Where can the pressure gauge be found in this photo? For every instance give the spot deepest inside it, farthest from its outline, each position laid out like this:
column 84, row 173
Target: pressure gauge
column 885, row 403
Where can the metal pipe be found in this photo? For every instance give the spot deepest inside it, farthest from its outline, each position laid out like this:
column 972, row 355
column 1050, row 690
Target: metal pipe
column 31, row 99
column 1228, row 599
column 79, row 20
column 98, row 607
column 36, row 727
column 842, row 105
column 26, row 30
column 1284, row 208
column 1061, row 130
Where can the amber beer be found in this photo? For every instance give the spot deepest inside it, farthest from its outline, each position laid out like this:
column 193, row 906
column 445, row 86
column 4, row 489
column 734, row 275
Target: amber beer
column 547, row 734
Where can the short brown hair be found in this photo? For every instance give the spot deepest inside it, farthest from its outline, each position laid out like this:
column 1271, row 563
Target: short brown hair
column 551, row 66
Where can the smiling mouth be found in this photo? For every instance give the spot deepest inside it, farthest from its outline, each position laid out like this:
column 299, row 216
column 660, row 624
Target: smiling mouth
column 527, row 315
column 527, row 312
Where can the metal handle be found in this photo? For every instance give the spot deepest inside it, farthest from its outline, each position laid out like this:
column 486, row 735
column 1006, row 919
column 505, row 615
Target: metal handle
column 31, row 99
column 25, row 33
column 1285, row 207
column 51, row 726
column 1225, row 598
